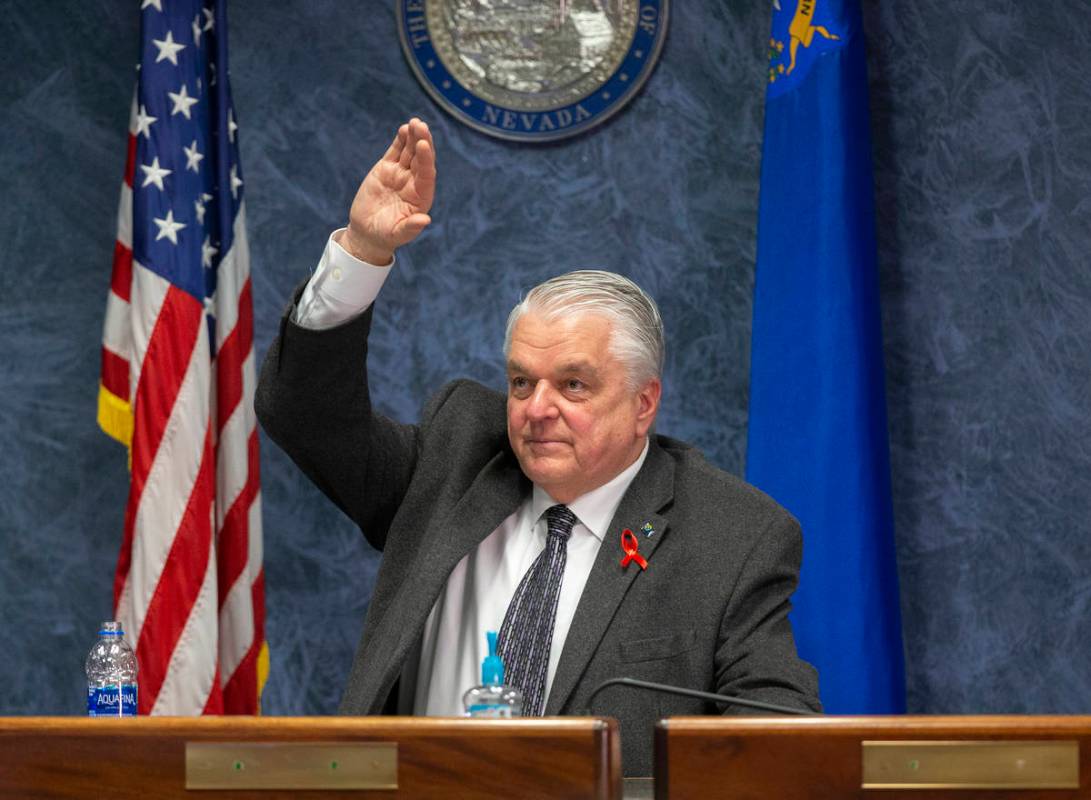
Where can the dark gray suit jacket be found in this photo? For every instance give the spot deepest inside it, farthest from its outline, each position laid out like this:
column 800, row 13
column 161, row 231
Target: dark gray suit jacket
column 710, row 612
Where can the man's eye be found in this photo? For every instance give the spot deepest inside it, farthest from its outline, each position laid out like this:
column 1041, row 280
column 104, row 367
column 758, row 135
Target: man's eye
column 574, row 385
column 519, row 383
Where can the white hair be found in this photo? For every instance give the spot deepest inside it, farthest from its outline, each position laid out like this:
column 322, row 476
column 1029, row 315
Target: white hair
column 636, row 338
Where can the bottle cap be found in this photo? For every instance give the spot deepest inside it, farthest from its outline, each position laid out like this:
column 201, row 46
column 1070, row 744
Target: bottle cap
column 111, row 628
column 492, row 668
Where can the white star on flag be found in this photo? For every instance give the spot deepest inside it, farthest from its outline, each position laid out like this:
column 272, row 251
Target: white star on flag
column 153, row 173
column 182, row 102
column 168, row 49
column 210, row 19
column 200, row 206
column 236, row 181
column 193, row 158
column 208, row 252
column 168, row 228
column 156, row 4
column 231, row 126
column 197, row 30
column 144, row 122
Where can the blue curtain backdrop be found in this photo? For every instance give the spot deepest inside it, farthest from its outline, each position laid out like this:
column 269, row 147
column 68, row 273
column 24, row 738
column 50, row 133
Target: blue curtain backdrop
column 817, row 427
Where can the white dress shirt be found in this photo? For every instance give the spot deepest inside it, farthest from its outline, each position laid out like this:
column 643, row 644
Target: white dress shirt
column 481, row 585
column 342, row 287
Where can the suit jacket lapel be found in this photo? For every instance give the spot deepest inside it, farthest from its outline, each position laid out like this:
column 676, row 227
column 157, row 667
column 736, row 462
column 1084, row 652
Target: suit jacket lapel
column 649, row 493
column 493, row 496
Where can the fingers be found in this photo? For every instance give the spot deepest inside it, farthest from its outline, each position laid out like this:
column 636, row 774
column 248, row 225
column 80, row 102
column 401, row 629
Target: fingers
column 424, row 178
column 424, row 161
column 406, row 154
column 394, row 152
column 419, row 157
column 417, row 132
column 404, row 146
column 424, row 134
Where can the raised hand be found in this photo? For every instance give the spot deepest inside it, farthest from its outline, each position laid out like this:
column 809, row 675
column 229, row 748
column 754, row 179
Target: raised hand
column 391, row 206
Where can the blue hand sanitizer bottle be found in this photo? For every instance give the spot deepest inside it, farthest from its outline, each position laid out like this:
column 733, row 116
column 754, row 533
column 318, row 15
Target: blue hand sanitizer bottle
column 493, row 698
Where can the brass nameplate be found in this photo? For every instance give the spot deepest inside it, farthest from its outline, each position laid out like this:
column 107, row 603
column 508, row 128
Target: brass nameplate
column 291, row 765
column 971, row 765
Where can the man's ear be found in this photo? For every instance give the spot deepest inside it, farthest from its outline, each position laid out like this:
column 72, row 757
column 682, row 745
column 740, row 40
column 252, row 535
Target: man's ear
column 648, row 405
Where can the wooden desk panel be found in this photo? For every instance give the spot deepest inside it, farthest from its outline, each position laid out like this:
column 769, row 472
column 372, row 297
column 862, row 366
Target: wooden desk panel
column 144, row 757
column 821, row 757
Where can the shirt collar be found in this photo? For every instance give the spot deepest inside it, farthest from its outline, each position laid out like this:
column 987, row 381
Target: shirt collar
column 596, row 508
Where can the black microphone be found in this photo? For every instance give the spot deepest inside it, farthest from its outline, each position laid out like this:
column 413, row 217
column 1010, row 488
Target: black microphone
column 710, row 696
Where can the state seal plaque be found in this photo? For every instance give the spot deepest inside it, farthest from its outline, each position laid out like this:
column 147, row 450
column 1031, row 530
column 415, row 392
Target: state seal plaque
column 532, row 70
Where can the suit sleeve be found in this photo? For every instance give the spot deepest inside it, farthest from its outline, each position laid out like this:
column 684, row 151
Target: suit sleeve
column 313, row 401
column 756, row 657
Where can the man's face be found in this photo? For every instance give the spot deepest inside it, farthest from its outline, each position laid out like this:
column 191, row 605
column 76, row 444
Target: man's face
column 573, row 421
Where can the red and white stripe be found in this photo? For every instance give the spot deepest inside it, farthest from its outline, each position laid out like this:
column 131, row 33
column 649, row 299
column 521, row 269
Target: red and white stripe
column 189, row 587
column 240, row 577
column 116, row 339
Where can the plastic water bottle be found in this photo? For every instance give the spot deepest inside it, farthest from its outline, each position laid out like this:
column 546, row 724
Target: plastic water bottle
column 493, row 698
column 111, row 674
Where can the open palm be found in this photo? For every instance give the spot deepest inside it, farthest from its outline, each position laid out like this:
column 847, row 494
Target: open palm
column 391, row 206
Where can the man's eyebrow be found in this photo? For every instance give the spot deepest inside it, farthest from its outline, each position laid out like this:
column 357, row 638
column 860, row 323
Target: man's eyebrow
column 579, row 367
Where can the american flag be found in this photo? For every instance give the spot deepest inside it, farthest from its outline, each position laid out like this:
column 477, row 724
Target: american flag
column 178, row 378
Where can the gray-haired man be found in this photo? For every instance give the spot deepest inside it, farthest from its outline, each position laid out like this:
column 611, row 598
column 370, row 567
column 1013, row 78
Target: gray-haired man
column 597, row 549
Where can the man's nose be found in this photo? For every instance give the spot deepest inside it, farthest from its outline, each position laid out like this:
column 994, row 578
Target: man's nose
column 542, row 403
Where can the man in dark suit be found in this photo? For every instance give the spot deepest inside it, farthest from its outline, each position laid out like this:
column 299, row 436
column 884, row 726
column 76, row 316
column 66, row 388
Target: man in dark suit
column 597, row 548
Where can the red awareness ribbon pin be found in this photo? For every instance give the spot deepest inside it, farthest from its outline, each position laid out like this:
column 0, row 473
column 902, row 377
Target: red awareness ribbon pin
column 630, row 544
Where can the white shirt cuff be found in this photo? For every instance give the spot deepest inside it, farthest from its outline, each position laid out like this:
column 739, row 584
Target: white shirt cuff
column 341, row 288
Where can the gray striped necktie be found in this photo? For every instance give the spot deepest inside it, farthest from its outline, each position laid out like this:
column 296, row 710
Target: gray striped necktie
column 527, row 631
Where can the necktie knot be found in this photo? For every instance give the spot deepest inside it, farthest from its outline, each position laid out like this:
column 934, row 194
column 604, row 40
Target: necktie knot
column 560, row 521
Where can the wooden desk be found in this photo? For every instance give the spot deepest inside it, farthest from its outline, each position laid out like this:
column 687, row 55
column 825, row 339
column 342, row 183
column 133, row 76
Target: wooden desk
column 146, row 757
column 833, row 757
